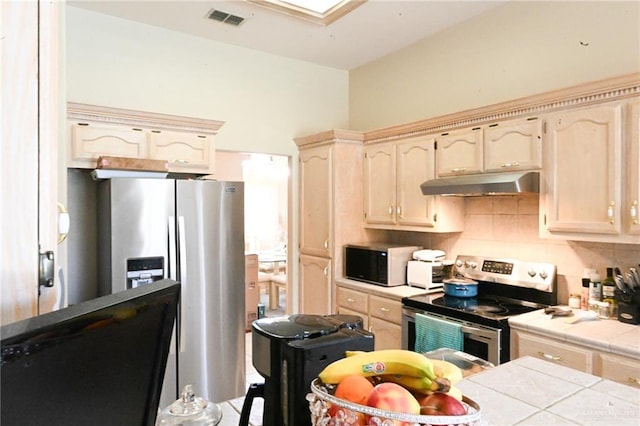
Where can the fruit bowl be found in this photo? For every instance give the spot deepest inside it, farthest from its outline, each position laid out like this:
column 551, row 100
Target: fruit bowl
column 321, row 398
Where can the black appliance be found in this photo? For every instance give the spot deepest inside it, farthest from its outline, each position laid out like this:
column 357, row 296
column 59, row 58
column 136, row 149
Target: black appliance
column 506, row 287
column 100, row 362
column 289, row 352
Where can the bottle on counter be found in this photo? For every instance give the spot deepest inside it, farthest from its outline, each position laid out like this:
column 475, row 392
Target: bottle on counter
column 584, row 296
column 595, row 287
column 608, row 292
column 575, row 301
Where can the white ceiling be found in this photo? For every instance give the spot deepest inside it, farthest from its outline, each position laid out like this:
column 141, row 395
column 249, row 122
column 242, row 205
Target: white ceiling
column 371, row 31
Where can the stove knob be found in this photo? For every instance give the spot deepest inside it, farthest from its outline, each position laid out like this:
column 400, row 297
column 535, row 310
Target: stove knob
column 543, row 275
column 532, row 273
column 459, row 263
column 472, row 265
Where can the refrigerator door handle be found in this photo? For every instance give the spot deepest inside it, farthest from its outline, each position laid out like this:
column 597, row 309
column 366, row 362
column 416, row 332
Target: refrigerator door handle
column 182, row 248
column 172, row 262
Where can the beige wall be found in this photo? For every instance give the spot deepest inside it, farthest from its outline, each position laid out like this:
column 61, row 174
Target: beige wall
column 515, row 50
column 264, row 100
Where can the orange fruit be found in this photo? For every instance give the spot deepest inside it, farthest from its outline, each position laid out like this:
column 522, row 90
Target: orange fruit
column 354, row 389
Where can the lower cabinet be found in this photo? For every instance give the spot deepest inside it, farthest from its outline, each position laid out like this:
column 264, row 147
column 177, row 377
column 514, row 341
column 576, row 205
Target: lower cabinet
column 315, row 285
column 609, row 366
column 381, row 315
column 618, row 368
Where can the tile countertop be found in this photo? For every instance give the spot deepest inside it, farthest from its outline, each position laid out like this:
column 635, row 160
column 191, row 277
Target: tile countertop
column 608, row 335
column 530, row 391
column 395, row 292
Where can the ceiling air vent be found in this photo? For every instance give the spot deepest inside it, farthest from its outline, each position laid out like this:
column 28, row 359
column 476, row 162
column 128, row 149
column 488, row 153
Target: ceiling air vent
column 227, row 18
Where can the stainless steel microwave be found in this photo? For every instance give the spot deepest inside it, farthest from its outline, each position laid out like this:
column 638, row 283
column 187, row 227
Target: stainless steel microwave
column 378, row 263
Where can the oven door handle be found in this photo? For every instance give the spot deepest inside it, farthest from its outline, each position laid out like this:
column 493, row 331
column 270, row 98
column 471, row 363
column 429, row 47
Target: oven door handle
column 470, row 330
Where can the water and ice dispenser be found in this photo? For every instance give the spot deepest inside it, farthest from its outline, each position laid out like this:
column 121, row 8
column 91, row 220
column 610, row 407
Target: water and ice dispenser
column 144, row 270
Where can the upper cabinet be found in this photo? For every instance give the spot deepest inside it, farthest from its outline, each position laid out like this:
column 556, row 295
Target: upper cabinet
column 590, row 190
column 513, row 145
column 496, row 147
column 393, row 172
column 186, row 143
column 460, row 152
column 631, row 206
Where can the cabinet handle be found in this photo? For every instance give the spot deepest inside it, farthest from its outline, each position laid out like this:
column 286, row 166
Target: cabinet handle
column 516, row 164
column 458, row 169
column 634, row 380
column 390, row 210
column 385, row 310
column 610, row 212
column 325, row 244
column 634, row 212
column 370, row 329
column 549, row 356
column 180, row 161
column 325, row 271
column 350, row 300
column 399, row 211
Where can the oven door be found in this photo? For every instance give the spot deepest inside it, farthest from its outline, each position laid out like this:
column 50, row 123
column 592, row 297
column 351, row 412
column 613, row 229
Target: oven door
column 479, row 340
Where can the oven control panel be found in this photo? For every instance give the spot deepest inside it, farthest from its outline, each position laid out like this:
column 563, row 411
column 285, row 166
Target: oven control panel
column 541, row 276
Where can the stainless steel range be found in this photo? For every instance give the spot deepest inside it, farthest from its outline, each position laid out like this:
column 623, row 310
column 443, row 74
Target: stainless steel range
column 505, row 287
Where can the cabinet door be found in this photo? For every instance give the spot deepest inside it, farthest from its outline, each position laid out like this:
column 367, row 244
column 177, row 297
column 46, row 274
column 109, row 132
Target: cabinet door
column 386, row 309
column 583, row 171
column 352, row 299
column 631, row 209
column 619, row 369
column 316, row 200
column 380, row 183
column 415, row 164
column 551, row 350
column 90, row 141
column 513, row 145
column 459, row 152
column 387, row 335
column 185, row 152
column 315, row 285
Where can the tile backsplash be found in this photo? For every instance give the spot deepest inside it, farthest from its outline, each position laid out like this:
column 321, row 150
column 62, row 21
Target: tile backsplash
column 507, row 226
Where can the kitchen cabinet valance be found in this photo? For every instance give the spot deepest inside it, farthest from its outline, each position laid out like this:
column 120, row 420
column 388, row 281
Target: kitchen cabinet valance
column 186, row 143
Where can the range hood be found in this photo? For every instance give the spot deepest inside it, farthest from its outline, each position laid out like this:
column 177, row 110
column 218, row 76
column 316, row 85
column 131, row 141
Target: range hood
column 486, row 184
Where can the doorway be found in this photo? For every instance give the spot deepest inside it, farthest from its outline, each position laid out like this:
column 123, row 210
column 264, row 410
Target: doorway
column 266, row 184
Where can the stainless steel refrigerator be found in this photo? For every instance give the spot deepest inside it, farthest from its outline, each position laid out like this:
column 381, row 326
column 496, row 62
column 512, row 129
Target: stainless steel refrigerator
column 191, row 231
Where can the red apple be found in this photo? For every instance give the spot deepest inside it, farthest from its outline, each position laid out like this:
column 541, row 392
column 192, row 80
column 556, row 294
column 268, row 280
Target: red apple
column 441, row 404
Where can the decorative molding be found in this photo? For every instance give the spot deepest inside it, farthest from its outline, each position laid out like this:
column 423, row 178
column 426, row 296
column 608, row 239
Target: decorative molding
column 344, row 136
column 148, row 120
column 612, row 89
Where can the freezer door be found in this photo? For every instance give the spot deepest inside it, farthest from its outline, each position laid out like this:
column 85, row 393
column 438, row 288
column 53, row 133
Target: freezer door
column 133, row 223
column 210, row 228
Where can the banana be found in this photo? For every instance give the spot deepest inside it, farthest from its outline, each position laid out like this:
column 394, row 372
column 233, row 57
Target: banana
column 447, row 369
column 387, row 361
column 419, row 384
